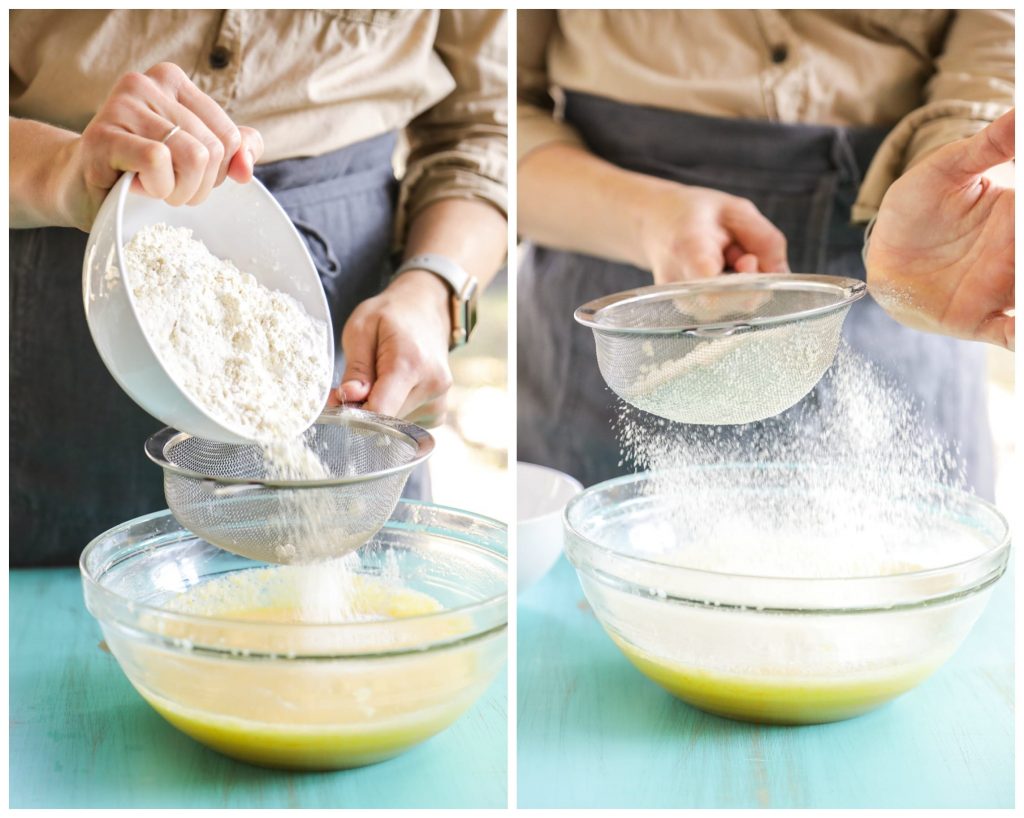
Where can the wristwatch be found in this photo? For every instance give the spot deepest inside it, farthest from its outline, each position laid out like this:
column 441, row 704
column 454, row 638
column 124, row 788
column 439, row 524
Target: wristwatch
column 463, row 288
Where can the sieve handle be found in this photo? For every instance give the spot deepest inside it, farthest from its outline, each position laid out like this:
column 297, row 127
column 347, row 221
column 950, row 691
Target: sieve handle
column 218, row 490
column 716, row 332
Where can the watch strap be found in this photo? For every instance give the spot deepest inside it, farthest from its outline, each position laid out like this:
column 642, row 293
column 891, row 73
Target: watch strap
column 463, row 289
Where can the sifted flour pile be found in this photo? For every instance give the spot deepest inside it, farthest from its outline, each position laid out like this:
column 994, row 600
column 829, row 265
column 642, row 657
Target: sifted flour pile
column 251, row 356
column 254, row 359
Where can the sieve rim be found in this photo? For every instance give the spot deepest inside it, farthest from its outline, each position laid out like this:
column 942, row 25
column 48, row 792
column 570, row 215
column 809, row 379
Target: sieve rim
column 847, row 290
column 422, row 440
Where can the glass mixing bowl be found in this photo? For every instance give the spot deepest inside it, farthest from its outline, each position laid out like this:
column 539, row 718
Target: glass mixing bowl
column 305, row 696
column 780, row 649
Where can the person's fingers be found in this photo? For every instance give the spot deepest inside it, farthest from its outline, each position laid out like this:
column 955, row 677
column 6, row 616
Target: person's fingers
column 352, row 391
column 991, row 146
column 746, row 263
column 741, row 261
column 390, row 391
column 732, row 254
column 150, row 161
column 214, row 151
column 359, row 345
column 189, row 157
column 756, row 235
column 241, row 165
column 999, row 329
column 220, row 135
column 155, row 117
column 692, row 260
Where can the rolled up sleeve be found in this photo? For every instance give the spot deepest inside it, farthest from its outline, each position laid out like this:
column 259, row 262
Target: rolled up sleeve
column 537, row 123
column 972, row 86
column 459, row 147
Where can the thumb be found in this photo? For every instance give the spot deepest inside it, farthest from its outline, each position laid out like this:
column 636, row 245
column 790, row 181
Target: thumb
column 247, row 155
column 999, row 329
column 359, row 345
column 991, row 146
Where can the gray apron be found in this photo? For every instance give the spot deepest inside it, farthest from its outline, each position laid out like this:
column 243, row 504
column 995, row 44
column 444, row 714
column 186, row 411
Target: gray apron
column 804, row 179
column 77, row 465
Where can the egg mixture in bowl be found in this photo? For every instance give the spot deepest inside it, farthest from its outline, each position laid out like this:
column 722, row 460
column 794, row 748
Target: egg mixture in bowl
column 778, row 594
column 307, row 667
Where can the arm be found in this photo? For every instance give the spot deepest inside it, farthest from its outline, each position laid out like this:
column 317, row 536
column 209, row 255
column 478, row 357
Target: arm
column 39, row 158
column 60, row 178
column 396, row 344
column 972, row 86
column 453, row 204
column 675, row 231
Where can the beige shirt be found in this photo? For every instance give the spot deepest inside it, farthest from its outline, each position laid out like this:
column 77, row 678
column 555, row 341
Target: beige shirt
column 933, row 76
column 309, row 81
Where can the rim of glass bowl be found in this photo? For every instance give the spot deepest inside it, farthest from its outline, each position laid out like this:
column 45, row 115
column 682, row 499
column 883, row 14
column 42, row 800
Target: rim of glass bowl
column 423, row 441
column 644, row 576
column 597, row 314
column 488, row 616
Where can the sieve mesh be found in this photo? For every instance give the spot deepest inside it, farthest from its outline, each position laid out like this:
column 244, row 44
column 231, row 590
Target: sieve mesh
column 729, row 350
column 224, row 493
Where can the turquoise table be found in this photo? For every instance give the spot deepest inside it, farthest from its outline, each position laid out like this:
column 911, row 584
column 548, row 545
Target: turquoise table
column 80, row 735
column 594, row 732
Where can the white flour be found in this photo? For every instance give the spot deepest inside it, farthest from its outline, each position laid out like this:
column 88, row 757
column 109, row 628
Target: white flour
column 736, row 379
column 841, row 517
column 250, row 356
column 255, row 360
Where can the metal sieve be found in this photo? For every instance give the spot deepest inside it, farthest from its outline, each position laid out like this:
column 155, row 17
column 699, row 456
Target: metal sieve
column 223, row 492
column 732, row 349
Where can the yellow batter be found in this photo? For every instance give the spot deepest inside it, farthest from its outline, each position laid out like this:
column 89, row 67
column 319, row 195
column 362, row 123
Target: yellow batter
column 310, row 714
column 775, row 698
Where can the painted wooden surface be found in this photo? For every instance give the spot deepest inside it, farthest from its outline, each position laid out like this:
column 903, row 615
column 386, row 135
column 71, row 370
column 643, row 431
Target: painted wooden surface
column 594, row 732
column 81, row 736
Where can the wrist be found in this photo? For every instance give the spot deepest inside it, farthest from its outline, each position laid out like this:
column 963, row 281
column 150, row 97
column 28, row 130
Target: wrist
column 426, row 289
column 65, row 185
column 649, row 200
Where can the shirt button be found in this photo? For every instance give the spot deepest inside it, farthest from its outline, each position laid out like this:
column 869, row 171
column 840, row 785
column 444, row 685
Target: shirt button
column 779, row 53
column 220, row 57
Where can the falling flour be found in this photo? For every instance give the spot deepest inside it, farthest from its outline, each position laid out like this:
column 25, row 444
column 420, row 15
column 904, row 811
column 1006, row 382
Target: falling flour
column 849, row 482
column 255, row 360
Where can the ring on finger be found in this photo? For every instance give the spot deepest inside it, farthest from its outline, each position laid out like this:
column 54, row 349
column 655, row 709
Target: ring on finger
column 170, row 133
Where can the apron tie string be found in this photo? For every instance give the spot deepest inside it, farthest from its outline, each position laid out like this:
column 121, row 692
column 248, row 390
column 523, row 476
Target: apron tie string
column 318, row 241
column 844, row 158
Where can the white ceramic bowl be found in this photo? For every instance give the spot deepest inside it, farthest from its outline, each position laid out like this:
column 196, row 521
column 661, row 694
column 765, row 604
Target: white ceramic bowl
column 242, row 223
column 541, row 497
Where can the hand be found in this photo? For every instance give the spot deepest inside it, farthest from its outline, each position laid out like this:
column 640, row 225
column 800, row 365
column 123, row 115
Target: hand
column 693, row 232
column 396, row 351
column 940, row 257
column 126, row 135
